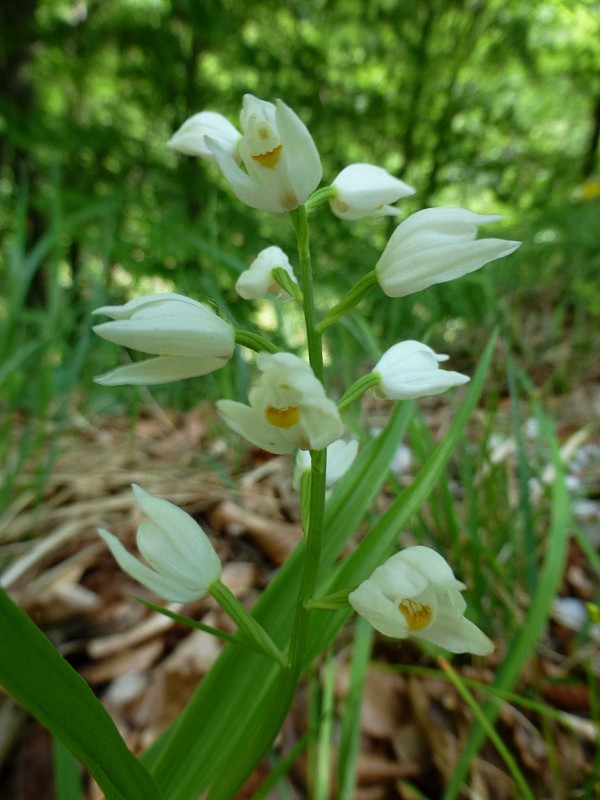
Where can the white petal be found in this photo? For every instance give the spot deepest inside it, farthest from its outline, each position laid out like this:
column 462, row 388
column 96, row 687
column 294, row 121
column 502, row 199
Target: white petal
column 427, row 267
column 250, row 192
column 430, row 564
column 458, row 635
column 163, row 369
column 159, row 584
column 299, row 153
column 190, row 139
column 341, row 455
column 248, row 423
column 142, row 302
column 368, row 601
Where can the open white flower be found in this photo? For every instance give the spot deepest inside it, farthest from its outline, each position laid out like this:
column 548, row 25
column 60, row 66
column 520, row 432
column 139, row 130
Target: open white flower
column 288, row 408
column 364, row 190
column 188, row 338
column 183, row 562
column 416, row 594
column 257, row 281
column 411, row 369
column 436, row 245
column 281, row 163
column 341, row 454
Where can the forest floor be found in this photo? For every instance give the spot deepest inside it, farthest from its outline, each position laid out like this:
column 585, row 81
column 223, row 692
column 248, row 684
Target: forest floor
column 145, row 666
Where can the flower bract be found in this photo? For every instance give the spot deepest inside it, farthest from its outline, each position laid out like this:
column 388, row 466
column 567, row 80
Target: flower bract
column 364, row 190
column 257, row 281
column 436, row 245
column 416, row 594
column 288, row 408
column 273, row 165
column 183, row 562
column 411, row 369
column 186, row 336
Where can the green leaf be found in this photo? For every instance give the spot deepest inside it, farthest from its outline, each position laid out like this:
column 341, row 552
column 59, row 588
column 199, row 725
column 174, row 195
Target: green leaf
column 38, row 677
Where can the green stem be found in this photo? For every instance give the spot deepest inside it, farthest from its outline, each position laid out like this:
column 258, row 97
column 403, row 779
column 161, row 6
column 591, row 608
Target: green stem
column 254, row 341
column 359, row 388
column 347, row 303
column 246, row 623
column 320, row 196
column 313, row 336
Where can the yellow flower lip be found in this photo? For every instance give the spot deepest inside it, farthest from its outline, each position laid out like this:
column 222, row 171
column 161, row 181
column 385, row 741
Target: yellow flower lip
column 270, row 158
column 417, row 615
column 282, row 417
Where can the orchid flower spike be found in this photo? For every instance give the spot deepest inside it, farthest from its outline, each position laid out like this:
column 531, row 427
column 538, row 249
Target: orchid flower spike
column 364, row 190
column 186, row 336
column 436, row 245
column 281, row 164
column 416, row 594
column 288, row 408
column 257, row 281
column 341, row 454
column 411, row 369
column 183, row 562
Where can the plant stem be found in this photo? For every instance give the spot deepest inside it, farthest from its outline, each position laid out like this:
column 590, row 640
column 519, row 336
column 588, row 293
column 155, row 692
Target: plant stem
column 254, row 341
column 313, row 337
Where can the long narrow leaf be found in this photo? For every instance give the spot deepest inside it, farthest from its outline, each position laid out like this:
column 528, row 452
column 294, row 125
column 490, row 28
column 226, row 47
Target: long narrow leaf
column 39, row 678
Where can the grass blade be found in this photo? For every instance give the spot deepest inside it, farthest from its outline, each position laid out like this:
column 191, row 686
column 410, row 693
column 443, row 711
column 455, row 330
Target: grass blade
column 546, row 589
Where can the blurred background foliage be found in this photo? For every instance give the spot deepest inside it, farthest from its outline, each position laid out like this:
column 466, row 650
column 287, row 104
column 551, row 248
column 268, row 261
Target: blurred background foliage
column 493, row 105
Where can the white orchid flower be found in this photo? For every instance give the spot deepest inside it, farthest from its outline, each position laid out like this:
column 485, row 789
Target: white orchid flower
column 257, row 281
column 288, row 408
column 281, row 165
column 183, row 562
column 364, row 190
column 411, row 369
column 436, row 245
column 416, row 594
column 341, row 454
column 188, row 338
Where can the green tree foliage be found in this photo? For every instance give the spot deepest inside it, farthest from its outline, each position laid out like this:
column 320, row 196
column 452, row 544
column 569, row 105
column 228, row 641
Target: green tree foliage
column 489, row 104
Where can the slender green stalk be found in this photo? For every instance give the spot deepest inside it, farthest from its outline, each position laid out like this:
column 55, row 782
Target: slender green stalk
column 320, row 196
column 357, row 389
column 254, row 341
column 352, row 299
column 313, row 337
column 324, row 749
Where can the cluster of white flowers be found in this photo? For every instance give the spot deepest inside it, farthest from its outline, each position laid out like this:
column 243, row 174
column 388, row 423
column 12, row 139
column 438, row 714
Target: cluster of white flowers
column 272, row 163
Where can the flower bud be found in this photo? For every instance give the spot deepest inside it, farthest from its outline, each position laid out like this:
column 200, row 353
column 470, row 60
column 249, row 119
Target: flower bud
column 411, row 369
column 183, row 562
column 257, row 281
column 436, row 245
column 188, row 338
column 364, row 190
